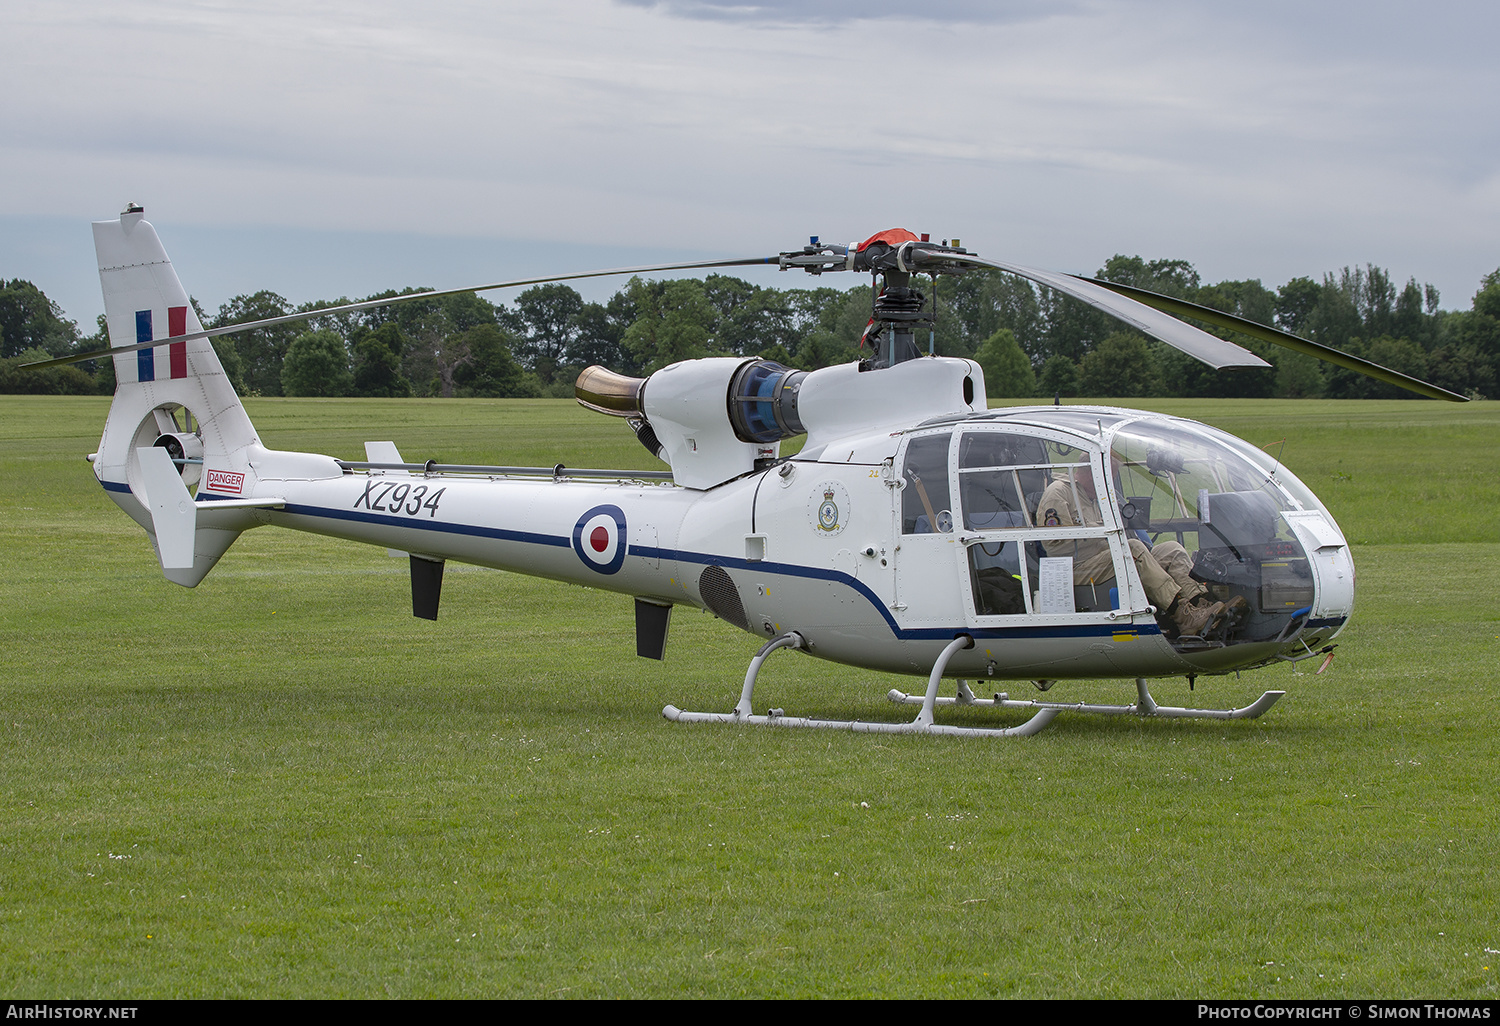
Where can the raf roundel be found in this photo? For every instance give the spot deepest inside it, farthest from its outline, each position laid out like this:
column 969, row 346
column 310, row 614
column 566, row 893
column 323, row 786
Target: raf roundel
column 599, row 539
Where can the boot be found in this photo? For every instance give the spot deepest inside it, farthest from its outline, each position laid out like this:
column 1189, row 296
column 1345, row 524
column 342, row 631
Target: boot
column 1198, row 620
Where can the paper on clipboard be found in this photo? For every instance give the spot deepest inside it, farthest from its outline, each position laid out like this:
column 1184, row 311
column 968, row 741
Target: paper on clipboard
column 1055, row 579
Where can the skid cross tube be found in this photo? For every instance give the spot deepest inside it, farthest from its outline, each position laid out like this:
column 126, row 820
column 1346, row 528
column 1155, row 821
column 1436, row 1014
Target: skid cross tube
column 921, row 725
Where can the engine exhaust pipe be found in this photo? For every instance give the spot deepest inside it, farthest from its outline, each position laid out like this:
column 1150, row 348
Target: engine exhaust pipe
column 604, row 391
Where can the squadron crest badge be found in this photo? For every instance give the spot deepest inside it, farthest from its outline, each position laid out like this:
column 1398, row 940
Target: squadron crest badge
column 829, row 506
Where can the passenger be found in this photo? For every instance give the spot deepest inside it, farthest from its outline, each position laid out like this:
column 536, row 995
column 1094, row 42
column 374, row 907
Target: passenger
column 1181, row 602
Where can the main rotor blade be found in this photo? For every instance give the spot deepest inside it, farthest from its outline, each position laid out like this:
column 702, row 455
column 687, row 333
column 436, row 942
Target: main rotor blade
column 1200, row 345
column 371, row 304
column 1182, row 308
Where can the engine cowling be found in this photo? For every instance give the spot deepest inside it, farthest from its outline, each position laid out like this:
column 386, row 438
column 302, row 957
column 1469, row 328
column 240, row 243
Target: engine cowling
column 715, row 419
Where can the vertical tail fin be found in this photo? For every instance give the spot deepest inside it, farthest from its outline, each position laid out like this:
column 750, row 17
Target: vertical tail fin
column 174, row 396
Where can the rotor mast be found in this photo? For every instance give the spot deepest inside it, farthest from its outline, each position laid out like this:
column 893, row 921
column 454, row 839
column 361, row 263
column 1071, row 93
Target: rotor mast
column 898, row 306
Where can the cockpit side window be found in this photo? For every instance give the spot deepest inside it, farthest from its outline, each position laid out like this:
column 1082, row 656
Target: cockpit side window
column 1000, row 479
column 1003, row 478
column 1009, row 483
column 926, row 507
column 1070, row 495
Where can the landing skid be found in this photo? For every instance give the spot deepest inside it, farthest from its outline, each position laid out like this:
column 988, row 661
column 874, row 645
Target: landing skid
column 1044, row 713
column 921, row 725
column 1145, row 706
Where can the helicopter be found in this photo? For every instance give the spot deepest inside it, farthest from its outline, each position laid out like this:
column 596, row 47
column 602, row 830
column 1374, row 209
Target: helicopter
column 915, row 532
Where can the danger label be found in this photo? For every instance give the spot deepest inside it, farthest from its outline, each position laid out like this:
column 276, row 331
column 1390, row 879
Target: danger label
column 225, row 481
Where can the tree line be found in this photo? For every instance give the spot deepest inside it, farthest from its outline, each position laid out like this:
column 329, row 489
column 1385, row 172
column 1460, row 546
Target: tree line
column 1030, row 340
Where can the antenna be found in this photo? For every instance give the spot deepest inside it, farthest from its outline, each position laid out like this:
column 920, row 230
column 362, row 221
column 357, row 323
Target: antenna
column 1267, row 447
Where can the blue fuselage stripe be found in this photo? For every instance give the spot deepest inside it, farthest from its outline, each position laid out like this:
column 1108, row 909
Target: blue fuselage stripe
column 731, row 562
column 469, row 530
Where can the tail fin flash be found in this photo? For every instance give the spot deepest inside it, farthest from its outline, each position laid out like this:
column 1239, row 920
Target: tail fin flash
column 174, row 396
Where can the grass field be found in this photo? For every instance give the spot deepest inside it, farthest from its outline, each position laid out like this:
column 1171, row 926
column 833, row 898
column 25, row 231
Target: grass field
column 281, row 784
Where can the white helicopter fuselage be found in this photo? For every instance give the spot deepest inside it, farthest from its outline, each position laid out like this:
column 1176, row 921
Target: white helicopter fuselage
column 811, row 546
column 912, row 533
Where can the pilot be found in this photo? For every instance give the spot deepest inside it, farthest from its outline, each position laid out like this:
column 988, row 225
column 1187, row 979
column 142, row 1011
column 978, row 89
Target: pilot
column 1181, row 602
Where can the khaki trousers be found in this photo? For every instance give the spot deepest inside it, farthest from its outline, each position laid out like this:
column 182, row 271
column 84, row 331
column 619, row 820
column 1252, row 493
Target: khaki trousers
column 1164, row 570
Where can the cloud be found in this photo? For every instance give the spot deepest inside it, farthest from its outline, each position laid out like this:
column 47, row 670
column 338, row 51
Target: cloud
column 834, row 12
column 1266, row 140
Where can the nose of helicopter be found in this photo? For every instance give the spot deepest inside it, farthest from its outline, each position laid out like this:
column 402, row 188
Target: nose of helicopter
column 1331, row 566
column 1259, row 539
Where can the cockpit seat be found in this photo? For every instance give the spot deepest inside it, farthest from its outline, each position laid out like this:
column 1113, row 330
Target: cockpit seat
column 1096, row 598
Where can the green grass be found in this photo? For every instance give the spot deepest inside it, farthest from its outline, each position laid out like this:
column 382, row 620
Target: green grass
column 281, row 784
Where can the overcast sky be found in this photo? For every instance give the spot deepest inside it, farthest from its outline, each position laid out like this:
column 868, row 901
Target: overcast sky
column 323, row 148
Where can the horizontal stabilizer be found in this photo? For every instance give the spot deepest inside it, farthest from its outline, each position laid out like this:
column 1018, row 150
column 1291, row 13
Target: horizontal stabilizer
column 268, row 503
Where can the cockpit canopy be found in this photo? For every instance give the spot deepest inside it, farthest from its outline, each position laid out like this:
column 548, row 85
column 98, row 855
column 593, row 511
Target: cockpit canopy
column 1190, row 466
column 1072, row 491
